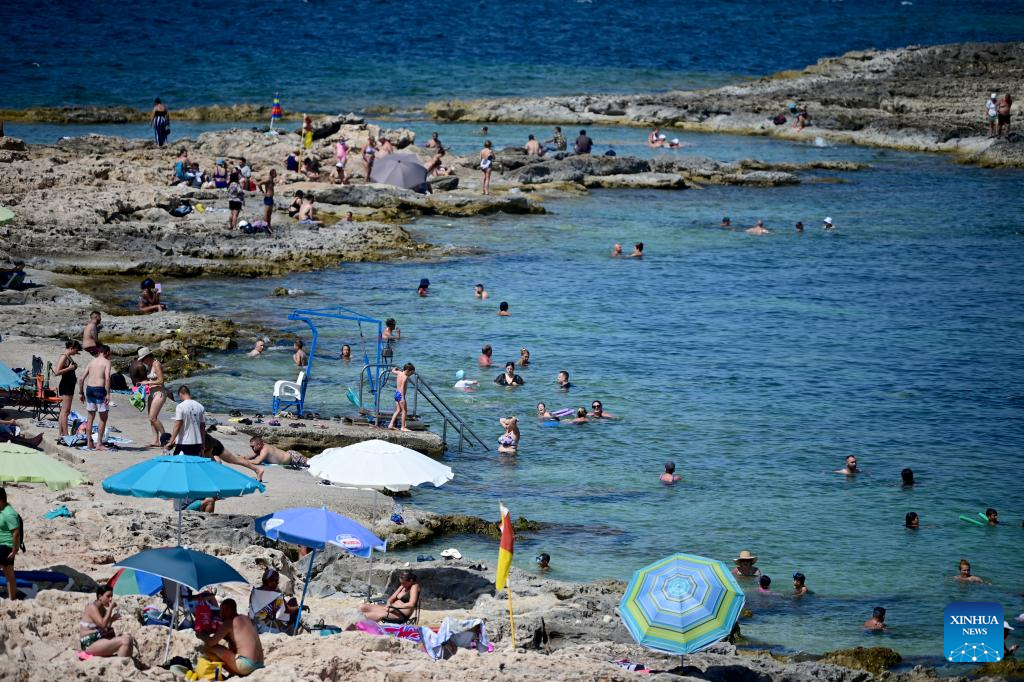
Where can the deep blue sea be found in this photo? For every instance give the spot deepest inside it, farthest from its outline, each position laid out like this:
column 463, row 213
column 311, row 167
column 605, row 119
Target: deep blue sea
column 332, row 55
column 755, row 363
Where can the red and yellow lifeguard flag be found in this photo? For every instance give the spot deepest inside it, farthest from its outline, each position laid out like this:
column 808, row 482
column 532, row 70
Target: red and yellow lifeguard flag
column 504, row 549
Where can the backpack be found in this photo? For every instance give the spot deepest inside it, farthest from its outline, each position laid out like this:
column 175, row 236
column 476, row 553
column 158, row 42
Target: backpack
column 779, row 120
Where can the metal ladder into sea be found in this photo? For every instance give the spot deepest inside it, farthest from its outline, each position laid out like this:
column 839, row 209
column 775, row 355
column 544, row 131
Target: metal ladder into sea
column 374, row 380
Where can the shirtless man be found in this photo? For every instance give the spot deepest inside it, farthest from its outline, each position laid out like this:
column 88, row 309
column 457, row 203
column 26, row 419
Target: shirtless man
column 877, row 620
column 670, row 476
column 94, row 391
column 267, row 187
column 480, row 292
column 401, row 382
column 300, row 358
column 1003, row 107
column 965, row 575
column 533, row 147
column 91, row 334
column 758, row 229
column 306, row 210
column 265, row 452
column 258, row 348
column 617, row 251
column 216, row 451
column 485, row 356
column 851, row 467
column 243, row 654
column 726, row 223
column 434, row 142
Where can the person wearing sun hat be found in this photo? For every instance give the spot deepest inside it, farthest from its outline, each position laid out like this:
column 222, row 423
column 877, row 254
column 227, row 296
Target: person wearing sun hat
column 745, row 565
column 157, row 394
column 828, row 224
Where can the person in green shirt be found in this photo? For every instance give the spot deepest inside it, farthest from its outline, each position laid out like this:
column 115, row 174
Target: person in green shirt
column 10, row 541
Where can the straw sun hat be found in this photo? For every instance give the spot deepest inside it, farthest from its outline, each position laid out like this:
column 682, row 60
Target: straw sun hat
column 746, row 556
column 144, row 351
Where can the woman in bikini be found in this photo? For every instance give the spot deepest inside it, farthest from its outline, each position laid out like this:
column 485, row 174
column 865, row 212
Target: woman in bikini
column 508, row 442
column 369, row 151
column 157, row 393
column 486, row 165
column 95, row 634
column 66, row 368
column 401, row 605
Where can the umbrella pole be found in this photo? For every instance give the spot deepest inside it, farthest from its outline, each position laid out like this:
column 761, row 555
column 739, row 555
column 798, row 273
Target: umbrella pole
column 179, row 524
column 369, row 579
column 174, row 618
column 305, row 587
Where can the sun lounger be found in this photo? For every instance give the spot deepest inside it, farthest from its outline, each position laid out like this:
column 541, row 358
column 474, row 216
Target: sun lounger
column 30, row 583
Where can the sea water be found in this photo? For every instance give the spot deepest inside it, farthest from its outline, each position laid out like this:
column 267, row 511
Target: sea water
column 755, row 363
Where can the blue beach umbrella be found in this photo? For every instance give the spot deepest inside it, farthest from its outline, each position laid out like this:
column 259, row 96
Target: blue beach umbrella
column 681, row 604
column 316, row 528
column 181, row 477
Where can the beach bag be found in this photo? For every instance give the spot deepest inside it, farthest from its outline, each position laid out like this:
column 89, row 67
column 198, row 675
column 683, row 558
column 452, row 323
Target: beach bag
column 138, row 397
column 181, row 211
column 779, row 120
column 118, row 382
column 208, row 670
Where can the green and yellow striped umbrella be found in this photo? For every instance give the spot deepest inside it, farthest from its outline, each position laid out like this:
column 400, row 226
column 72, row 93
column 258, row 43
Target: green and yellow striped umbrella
column 681, row 604
column 20, row 464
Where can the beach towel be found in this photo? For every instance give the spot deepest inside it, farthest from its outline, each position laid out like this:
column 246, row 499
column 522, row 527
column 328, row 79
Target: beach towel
column 468, row 633
column 138, row 397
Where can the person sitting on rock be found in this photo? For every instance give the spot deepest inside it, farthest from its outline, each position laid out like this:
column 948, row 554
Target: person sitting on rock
column 291, row 162
column 435, row 163
column 400, row 606
column 149, row 299
column 533, row 147
column 307, row 212
column 293, row 208
column 386, row 147
column 311, row 169
column 181, row 168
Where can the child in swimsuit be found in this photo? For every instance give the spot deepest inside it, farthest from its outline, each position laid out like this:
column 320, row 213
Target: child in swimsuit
column 401, row 381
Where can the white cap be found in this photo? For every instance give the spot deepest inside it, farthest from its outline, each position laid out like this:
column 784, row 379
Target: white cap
column 675, row 140
column 661, row 136
column 828, row 220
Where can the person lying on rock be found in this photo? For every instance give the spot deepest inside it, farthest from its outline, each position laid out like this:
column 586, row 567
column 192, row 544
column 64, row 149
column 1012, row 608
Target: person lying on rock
column 265, row 452
column 9, row 430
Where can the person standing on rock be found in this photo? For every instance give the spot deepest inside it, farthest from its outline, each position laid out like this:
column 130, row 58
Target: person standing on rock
column 1003, row 107
column 161, row 122
column 95, row 393
column 369, row 153
column 267, row 187
column 91, row 334
column 236, row 198
column 339, row 166
column 992, row 111
column 486, row 165
column 583, row 143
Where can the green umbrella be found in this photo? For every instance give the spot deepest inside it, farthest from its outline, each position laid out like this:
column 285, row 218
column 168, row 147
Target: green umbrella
column 20, row 464
column 6, row 215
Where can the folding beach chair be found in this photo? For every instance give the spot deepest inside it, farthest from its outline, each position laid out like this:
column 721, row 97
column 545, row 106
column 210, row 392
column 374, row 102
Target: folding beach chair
column 47, row 402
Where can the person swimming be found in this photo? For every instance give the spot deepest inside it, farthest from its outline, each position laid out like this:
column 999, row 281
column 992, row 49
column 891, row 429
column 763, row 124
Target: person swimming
column 542, row 412
column 877, row 620
column 764, row 584
column 912, row 521
column 508, row 442
column 670, row 476
column 907, row 475
column 581, row 416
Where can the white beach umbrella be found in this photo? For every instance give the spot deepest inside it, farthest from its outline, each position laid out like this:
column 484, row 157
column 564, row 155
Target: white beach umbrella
column 378, row 464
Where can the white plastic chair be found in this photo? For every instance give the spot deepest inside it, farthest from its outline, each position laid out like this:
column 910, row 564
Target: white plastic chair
column 288, row 393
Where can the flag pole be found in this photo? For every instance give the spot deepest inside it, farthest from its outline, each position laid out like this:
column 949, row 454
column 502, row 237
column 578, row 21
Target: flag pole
column 511, row 620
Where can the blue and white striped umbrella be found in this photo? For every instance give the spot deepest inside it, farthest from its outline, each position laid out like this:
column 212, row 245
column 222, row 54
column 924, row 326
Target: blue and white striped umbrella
column 681, row 604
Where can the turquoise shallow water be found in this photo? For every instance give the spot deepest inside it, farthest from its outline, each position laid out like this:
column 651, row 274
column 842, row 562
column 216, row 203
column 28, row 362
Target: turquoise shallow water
column 756, row 364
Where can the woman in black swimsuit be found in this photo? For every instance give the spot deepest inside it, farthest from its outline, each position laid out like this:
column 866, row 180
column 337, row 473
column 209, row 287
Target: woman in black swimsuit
column 509, row 377
column 401, row 605
column 65, row 369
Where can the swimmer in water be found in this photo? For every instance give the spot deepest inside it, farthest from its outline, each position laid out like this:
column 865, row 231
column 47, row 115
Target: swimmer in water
column 764, row 584
column 912, row 521
column 907, row 475
column 480, row 292
column 758, row 229
column 581, row 416
column 617, row 251
column 851, row 467
column 745, row 565
column 670, row 476
column 508, row 442
column 598, row 411
column 463, row 384
column 800, row 585
column 258, row 348
column 638, row 250
column 993, row 516
column 563, row 381
column 876, row 622
column 346, row 352
column 485, row 356
column 524, row 357
column 965, row 575
column 726, row 223
column 391, row 331
column 503, row 309
column 544, row 561
column 542, row 412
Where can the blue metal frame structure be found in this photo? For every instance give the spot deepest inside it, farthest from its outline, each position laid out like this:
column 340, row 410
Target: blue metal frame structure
column 332, row 313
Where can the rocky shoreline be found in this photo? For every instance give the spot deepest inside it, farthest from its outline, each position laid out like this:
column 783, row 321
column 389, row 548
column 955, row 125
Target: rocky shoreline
column 928, row 99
